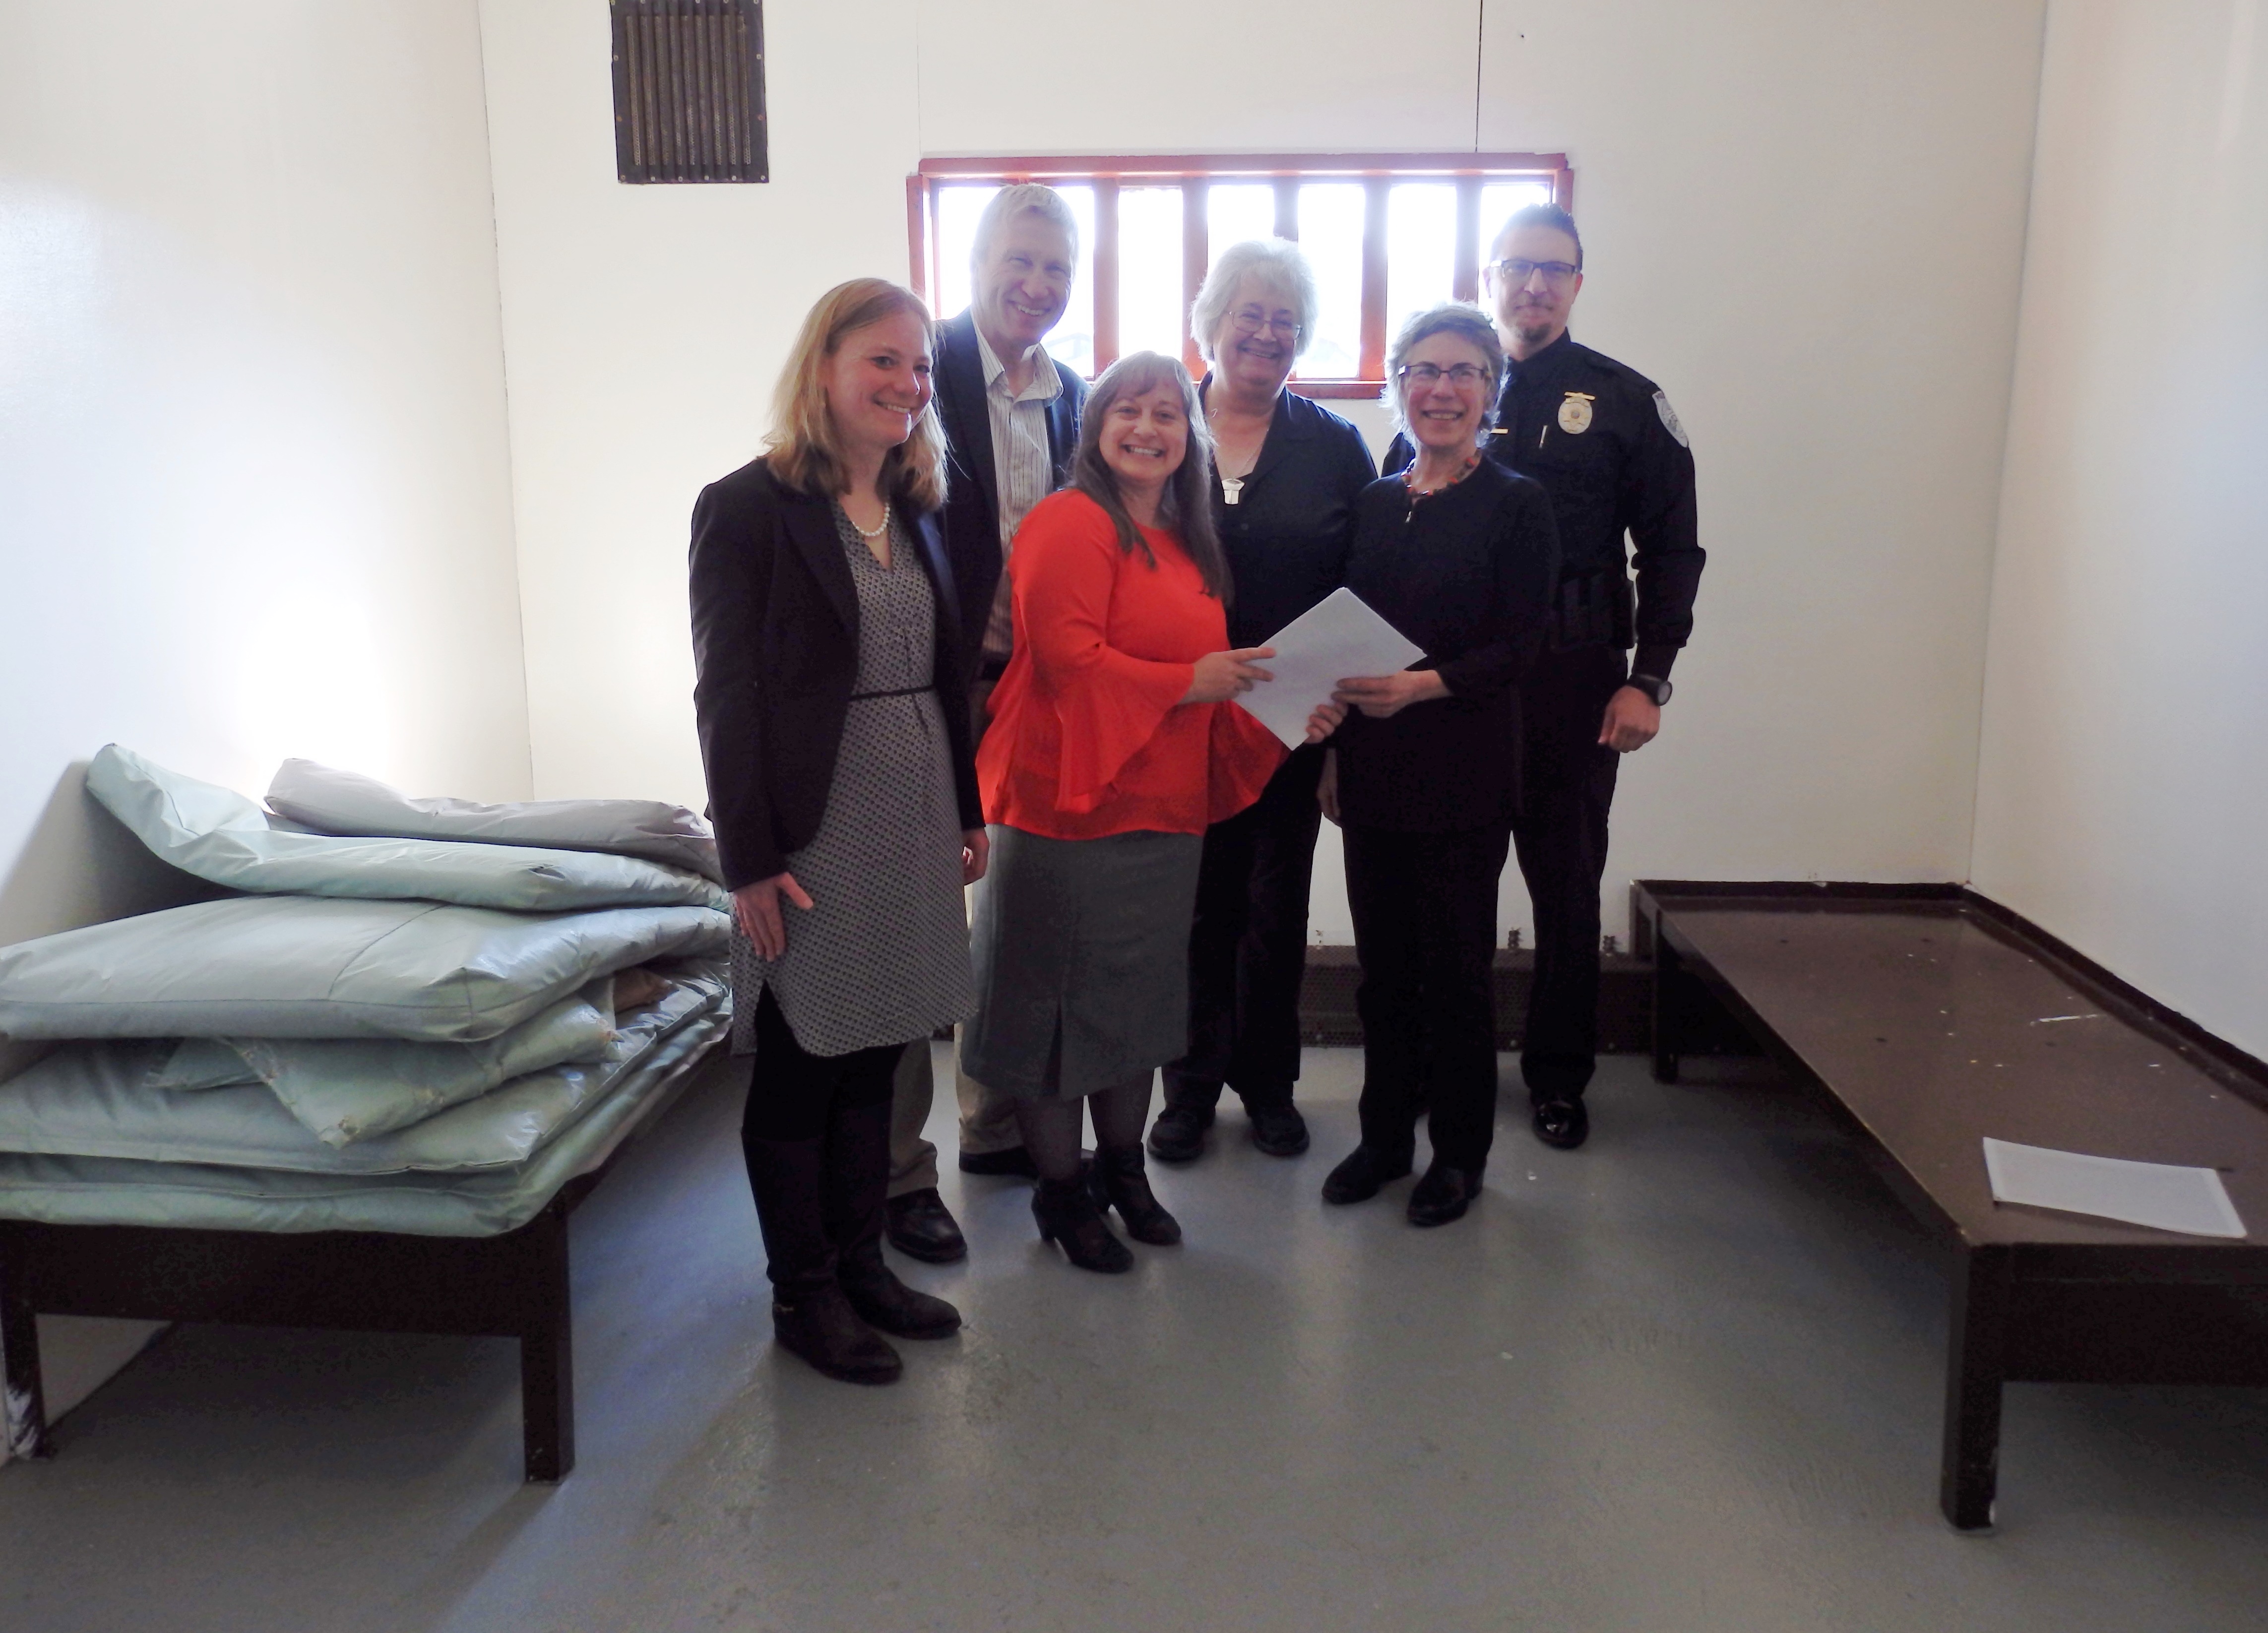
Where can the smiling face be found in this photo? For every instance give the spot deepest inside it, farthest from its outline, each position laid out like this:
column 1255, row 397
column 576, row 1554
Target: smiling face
column 1143, row 441
column 1533, row 311
column 877, row 383
column 1444, row 413
column 1257, row 362
column 1022, row 284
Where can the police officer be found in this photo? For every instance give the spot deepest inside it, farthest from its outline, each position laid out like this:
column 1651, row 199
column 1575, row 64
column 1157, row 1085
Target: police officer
column 1605, row 444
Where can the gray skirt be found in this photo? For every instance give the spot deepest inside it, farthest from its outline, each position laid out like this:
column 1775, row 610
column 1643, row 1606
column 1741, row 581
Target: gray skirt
column 1082, row 955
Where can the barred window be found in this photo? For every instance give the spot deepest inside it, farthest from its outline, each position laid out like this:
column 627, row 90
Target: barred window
column 1388, row 234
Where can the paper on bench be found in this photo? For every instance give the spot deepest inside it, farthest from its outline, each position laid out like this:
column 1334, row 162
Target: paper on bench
column 1338, row 638
column 2165, row 1197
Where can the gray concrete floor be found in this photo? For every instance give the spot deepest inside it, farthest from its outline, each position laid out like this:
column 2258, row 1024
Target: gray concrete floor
column 1685, row 1379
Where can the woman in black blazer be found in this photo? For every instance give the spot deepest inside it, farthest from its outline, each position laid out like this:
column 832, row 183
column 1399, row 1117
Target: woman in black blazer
column 1459, row 555
column 836, row 739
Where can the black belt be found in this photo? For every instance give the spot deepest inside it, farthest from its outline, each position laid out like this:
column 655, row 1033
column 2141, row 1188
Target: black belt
column 903, row 691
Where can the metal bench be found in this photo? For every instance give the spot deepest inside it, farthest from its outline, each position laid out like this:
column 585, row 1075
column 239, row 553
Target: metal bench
column 1928, row 1017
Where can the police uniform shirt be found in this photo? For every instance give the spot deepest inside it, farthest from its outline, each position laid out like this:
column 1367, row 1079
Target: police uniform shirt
column 1605, row 444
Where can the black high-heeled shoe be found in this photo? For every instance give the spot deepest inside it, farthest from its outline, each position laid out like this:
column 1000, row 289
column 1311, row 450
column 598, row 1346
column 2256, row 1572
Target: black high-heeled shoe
column 1067, row 1215
column 1121, row 1184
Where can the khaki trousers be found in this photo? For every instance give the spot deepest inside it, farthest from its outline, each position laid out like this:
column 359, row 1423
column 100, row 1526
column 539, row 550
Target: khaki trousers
column 988, row 1120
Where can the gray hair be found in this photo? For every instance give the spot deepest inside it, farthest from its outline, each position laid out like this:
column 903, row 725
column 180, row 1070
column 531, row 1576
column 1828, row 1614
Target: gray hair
column 1468, row 324
column 1280, row 264
column 1022, row 198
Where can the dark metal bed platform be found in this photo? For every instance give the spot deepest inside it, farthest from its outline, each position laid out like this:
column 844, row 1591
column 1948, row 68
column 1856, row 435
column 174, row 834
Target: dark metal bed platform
column 1928, row 1017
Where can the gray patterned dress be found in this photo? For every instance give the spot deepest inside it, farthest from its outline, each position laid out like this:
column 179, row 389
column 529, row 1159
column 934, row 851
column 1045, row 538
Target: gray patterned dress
column 882, row 956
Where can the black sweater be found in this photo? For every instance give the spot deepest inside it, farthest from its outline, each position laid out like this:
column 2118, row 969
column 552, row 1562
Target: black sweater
column 1287, row 534
column 1467, row 573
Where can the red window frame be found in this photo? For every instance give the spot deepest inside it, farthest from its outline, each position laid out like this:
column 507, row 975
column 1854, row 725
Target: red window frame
column 1194, row 173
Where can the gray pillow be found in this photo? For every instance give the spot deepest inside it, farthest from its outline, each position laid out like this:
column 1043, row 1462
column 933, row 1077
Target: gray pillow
column 341, row 802
column 93, row 1099
column 316, row 966
column 222, row 836
column 347, row 1088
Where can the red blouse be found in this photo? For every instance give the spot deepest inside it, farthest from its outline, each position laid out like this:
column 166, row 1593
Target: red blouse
column 1089, row 735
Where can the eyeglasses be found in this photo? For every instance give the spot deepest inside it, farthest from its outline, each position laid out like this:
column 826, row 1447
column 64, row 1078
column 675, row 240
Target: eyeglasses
column 1515, row 272
column 1459, row 374
column 1251, row 321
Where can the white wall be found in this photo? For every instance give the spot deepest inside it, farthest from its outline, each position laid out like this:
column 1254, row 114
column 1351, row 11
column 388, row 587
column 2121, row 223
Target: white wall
column 254, row 497
column 1805, row 219
column 2124, row 776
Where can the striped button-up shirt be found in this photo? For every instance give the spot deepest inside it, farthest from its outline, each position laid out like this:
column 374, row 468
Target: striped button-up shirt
column 1022, row 468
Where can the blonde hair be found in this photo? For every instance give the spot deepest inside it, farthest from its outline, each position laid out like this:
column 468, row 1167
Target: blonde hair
column 803, row 449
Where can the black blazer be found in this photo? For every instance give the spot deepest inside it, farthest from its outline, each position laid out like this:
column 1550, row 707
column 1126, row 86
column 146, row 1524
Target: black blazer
column 774, row 654
column 1467, row 574
column 972, row 491
column 1286, row 537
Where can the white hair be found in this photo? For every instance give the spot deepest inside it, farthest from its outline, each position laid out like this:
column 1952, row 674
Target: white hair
column 1282, row 268
column 1022, row 198
column 1468, row 324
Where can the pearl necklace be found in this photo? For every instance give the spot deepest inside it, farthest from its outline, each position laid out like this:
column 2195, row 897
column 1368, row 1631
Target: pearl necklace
column 876, row 533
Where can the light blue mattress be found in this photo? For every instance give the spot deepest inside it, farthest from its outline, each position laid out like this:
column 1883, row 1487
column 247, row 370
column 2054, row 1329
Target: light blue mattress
column 109, row 1190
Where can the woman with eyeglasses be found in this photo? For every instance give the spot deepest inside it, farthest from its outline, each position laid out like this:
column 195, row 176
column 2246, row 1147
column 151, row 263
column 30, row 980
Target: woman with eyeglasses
column 1460, row 556
column 1284, row 478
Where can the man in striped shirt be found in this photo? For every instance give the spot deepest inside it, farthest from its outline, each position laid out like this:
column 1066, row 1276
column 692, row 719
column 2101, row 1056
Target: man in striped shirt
column 1011, row 416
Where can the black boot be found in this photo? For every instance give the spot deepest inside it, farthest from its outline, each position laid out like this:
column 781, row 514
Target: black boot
column 1123, row 1185
column 810, row 1317
column 856, row 1180
column 1067, row 1214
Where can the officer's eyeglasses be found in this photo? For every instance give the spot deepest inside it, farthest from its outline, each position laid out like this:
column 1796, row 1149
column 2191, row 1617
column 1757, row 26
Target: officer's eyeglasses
column 1251, row 321
column 1516, row 273
column 1459, row 374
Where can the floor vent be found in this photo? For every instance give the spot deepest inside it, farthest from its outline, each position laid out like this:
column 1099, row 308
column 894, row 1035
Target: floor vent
column 689, row 90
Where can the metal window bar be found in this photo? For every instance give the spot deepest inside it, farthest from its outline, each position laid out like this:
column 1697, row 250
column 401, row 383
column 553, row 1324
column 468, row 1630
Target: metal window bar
column 689, row 90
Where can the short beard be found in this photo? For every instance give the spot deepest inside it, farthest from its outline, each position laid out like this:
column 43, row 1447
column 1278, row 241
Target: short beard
column 1531, row 331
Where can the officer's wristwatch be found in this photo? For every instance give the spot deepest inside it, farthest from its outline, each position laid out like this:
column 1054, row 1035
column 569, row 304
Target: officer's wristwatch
column 1653, row 686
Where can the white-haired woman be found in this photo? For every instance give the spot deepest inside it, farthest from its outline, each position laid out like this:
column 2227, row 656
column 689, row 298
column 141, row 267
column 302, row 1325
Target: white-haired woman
column 829, row 699
column 1460, row 556
column 1285, row 473
column 1112, row 749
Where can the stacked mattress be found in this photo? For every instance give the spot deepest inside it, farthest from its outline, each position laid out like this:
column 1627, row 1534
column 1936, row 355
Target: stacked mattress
column 413, row 1016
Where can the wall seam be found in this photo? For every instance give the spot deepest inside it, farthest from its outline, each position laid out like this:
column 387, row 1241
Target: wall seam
column 2007, row 436
column 504, row 378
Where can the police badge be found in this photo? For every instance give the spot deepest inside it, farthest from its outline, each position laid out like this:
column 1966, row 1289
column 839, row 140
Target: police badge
column 1575, row 413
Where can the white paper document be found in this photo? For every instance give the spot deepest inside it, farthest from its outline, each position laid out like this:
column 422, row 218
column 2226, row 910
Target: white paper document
column 2193, row 1200
column 1338, row 638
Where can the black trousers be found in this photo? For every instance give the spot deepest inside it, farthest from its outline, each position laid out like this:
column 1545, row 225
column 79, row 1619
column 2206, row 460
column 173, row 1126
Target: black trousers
column 1567, row 782
column 1249, row 946
column 1424, row 930
column 791, row 1094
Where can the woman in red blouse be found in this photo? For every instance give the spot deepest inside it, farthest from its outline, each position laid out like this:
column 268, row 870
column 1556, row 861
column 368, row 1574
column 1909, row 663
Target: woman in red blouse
column 1112, row 749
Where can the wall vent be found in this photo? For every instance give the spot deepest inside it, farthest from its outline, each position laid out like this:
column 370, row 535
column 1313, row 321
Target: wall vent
column 689, row 90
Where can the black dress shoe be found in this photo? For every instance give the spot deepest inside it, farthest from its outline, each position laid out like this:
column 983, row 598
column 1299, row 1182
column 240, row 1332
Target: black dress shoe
column 1357, row 1178
column 1014, row 1163
column 1443, row 1194
column 1178, row 1135
column 1067, row 1215
column 1562, row 1123
column 921, row 1226
column 888, row 1304
column 1278, row 1131
column 818, row 1324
